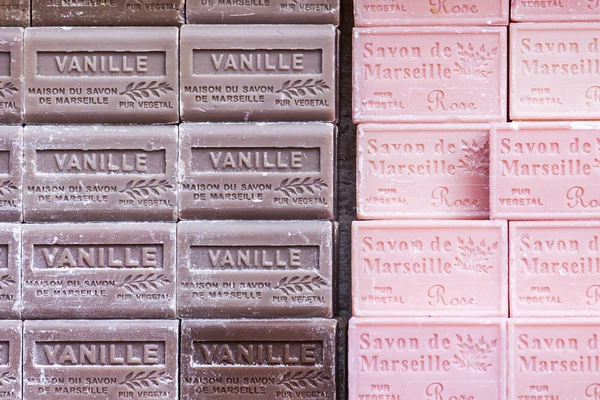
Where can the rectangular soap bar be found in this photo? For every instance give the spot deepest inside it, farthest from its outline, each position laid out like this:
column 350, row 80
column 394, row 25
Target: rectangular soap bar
column 422, row 171
column 11, row 179
column 252, row 171
column 554, row 10
column 107, row 12
column 430, row 268
column 101, row 75
column 14, row 13
column 124, row 270
column 258, row 359
column 554, row 358
column 554, row 71
column 100, row 173
column 263, row 12
column 108, row 359
column 11, row 333
column 258, row 73
column 432, row 74
column 545, row 171
column 245, row 269
column 11, row 75
column 10, row 272
column 554, row 269
column 430, row 12
column 427, row 358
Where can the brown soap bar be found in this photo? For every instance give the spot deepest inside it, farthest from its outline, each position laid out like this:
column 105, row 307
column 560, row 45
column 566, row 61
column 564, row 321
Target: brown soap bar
column 101, row 75
column 14, row 13
column 11, row 333
column 254, row 269
column 100, row 173
column 257, row 360
column 124, row 270
column 254, row 171
column 107, row 13
column 80, row 360
column 10, row 272
column 258, row 73
column 263, row 12
column 11, row 161
column 11, row 75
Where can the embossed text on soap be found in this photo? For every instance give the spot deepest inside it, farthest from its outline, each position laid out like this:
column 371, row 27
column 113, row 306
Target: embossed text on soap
column 98, row 256
column 74, row 353
column 73, row 161
column 257, row 61
column 275, row 258
column 95, row 63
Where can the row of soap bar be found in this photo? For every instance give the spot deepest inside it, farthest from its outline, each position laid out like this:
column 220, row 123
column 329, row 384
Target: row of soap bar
column 454, row 74
column 517, row 171
column 135, row 76
column 202, row 359
column 166, row 13
column 474, row 358
column 476, row 268
column 224, row 269
column 163, row 173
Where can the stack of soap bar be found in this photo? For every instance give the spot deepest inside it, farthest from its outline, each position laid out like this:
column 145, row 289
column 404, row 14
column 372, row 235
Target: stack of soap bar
column 11, row 333
column 11, row 75
column 250, row 171
column 10, row 271
column 245, row 269
column 258, row 359
column 11, row 164
column 422, row 171
column 101, row 75
column 14, row 13
column 107, row 359
column 554, row 10
column 99, row 271
column 100, row 173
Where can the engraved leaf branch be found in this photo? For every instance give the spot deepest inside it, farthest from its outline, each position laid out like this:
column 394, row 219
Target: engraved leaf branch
column 143, row 380
column 302, row 89
column 474, row 257
column 7, row 88
column 142, row 91
column 6, row 378
column 140, row 283
column 7, row 187
column 303, row 379
column 296, row 187
column 297, row 284
column 477, row 158
column 6, row 281
column 472, row 354
column 143, row 188
column 474, row 62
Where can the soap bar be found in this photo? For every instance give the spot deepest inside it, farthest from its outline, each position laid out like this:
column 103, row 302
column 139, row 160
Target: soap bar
column 14, row 13
column 107, row 12
column 100, row 173
column 554, row 267
column 11, row 75
column 554, row 71
column 258, row 359
column 554, row 10
column 545, row 171
column 10, row 272
column 430, row 268
column 100, row 359
column 554, row 358
column 253, row 171
column 11, row 333
column 422, row 171
column 258, row 73
column 124, row 270
column 263, row 12
column 431, row 12
column 11, row 186
column 101, row 75
column 424, row 358
column 244, row 269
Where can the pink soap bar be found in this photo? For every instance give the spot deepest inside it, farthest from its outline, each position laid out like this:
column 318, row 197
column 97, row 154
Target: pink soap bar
column 555, row 71
column 431, row 74
column 554, row 10
column 552, row 358
column 430, row 12
column 427, row 359
column 545, row 171
column 430, row 268
column 422, row 171
column 554, row 269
